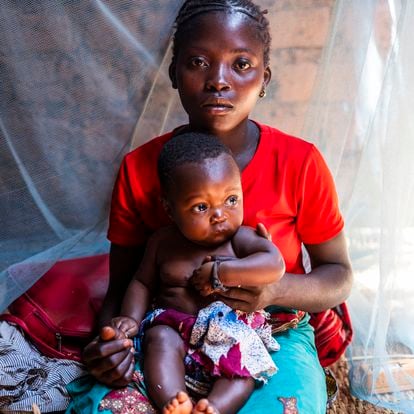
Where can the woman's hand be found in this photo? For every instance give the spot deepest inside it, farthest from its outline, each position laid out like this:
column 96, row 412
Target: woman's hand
column 327, row 285
column 248, row 299
column 110, row 357
column 261, row 230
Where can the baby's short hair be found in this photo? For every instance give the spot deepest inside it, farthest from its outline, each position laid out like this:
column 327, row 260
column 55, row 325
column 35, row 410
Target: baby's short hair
column 189, row 147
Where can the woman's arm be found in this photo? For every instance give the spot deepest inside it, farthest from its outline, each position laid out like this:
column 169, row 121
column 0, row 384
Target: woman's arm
column 327, row 285
column 123, row 263
column 110, row 361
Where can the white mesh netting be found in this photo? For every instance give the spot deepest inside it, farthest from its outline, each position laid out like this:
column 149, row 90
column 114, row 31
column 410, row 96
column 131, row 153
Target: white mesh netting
column 83, row 82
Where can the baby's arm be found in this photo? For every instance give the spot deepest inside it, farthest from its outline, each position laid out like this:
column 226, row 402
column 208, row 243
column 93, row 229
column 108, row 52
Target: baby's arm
column 259, row 261
column 138, row 296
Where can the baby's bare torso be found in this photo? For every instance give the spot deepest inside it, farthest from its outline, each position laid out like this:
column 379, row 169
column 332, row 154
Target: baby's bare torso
column 177, row 259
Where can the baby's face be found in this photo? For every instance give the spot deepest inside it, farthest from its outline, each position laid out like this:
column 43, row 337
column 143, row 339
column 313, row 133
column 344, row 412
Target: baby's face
column 206, row 202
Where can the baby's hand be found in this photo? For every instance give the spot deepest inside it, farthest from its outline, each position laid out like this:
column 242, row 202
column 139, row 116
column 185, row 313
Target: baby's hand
column 125, row 324
column 201, row 279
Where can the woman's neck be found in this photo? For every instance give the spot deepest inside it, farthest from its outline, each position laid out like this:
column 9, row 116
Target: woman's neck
column 242, row 141
column 244, row 146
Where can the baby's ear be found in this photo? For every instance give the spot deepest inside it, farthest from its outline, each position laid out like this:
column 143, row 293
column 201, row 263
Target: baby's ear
column 167, row 206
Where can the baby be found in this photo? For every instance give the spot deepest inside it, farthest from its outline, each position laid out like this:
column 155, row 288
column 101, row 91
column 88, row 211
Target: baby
column 190, row 333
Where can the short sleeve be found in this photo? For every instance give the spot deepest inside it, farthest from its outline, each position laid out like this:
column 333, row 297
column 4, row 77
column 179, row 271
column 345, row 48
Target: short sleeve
column 319, row 218
column 126, row 227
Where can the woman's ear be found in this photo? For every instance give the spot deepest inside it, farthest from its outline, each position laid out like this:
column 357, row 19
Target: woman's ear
column 171, row 73
column 267, row 76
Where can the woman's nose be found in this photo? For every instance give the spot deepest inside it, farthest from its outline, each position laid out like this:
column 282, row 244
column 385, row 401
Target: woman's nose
column 218, row 78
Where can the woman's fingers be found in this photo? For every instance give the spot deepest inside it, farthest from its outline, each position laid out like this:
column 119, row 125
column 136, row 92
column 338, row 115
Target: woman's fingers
column 261, row 230
column 99, row 366
column 121, row 374
column 98, row 350
column 126, row 377
column 245, row 299
column 107, row 333
column 207, row 259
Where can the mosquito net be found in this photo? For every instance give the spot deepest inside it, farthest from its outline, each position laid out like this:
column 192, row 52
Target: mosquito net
column 361, row 114
column 75, row 77
column 84, row 82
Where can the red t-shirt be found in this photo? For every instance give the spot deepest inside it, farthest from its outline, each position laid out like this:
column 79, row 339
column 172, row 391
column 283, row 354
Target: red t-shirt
column 287, row 186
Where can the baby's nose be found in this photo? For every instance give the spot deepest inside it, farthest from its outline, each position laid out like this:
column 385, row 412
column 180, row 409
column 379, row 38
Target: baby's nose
column 218, row 216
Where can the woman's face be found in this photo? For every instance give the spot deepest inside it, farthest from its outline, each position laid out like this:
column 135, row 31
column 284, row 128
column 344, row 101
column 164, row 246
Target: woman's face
column 220, row 71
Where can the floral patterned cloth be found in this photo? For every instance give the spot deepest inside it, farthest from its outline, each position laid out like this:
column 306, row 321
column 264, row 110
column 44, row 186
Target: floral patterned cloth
column 223, row 341
column 128, row 400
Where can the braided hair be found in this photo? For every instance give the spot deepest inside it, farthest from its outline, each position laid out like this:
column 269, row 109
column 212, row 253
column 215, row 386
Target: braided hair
column 193, row 8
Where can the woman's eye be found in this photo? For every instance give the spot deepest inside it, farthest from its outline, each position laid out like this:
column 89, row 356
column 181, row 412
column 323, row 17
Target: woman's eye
column 200, row 208
column 232, row 201
column 242, row 65
column 198, row 62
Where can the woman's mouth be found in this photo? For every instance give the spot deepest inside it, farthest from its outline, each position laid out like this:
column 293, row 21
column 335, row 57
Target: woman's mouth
column 217, row 106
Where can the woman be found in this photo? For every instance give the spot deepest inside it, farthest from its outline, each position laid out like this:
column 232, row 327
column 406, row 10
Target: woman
column 220, row 67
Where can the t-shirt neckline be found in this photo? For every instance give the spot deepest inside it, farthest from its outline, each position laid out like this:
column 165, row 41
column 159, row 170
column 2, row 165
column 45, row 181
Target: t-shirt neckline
column 250, row 171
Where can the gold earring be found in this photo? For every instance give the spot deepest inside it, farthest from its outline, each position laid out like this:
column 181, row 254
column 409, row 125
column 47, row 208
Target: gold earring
column 262, row 93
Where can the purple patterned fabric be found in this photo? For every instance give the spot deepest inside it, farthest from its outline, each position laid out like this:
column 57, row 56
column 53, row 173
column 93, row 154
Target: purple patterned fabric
column 223, row 341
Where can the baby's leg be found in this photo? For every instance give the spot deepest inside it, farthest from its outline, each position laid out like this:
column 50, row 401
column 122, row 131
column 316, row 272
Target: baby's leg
column 164, row 370
column 226, row 397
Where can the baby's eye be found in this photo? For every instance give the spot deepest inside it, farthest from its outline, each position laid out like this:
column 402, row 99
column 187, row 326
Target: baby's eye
column 198, row 62
column 199, row 208
column 232, row 200
column 242, row 64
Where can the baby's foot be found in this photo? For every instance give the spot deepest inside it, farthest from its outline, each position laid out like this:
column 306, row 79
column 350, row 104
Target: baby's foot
column 204, row 407
column 180, row 404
